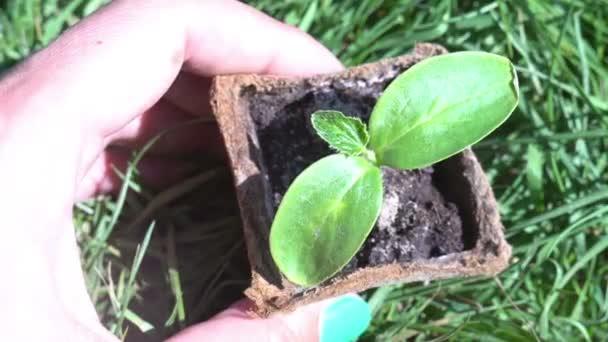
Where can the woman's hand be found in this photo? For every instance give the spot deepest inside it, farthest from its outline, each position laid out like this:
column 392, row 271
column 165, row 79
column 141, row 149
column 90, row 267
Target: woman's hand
column 118, row 78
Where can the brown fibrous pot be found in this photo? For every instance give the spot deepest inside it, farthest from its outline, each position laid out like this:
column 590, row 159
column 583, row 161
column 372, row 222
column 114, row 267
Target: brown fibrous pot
column 460, row 178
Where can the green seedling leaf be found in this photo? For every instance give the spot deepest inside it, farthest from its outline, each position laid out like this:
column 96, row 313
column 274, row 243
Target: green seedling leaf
column 440, row 106
column 345, row 134
column 324, row 218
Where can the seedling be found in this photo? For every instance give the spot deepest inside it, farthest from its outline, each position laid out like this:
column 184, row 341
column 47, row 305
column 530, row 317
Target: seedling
column 432, row 111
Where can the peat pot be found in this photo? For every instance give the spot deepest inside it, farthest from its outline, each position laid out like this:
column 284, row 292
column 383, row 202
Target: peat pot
column 438, row 222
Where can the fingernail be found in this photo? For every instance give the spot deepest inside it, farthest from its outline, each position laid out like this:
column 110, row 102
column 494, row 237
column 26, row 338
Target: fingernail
column 345, row 319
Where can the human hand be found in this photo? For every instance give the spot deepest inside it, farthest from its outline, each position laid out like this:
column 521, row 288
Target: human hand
column 118, row 78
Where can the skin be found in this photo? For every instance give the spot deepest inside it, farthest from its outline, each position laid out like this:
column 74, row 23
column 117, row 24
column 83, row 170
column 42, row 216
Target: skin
column 82, row 104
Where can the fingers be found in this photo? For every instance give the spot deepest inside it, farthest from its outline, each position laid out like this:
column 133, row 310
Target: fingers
column 157, row 172
column 180, row 134
column 239, row 39
column 336, row 320
column 117, row 63
column 166, row 162
column 190, row 93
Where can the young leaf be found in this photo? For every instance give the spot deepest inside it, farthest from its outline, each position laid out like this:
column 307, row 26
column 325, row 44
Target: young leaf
column 345, row 134
column 440, row 106
column 324, row 218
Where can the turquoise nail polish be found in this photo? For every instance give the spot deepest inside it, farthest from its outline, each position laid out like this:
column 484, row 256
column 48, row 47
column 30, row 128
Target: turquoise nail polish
column 345, row 319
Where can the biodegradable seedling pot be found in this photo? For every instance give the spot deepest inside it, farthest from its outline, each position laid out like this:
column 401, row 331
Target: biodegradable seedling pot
column 438, row 222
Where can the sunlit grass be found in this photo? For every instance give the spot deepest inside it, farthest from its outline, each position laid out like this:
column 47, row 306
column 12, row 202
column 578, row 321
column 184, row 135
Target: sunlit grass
column 548, row 167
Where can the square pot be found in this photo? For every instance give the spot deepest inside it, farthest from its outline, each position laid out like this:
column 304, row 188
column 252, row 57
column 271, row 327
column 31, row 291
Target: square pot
column 438, row 222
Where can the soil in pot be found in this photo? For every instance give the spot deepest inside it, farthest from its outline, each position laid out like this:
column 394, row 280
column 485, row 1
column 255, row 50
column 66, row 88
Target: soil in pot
column 417, row 220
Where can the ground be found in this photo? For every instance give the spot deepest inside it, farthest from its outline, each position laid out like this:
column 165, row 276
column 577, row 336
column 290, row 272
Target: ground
column 548, row 166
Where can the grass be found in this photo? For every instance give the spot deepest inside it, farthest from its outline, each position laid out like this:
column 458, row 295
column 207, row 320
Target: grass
column 548, row 167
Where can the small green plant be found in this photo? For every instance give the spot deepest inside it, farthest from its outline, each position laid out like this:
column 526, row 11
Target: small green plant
column 432, row 111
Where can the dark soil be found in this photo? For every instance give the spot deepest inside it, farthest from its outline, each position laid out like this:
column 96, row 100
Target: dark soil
column 416, row 222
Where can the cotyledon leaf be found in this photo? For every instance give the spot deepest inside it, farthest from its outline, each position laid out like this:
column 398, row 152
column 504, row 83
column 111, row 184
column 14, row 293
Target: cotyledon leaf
column 440, row 106
column 324, row 218
column 345, row 134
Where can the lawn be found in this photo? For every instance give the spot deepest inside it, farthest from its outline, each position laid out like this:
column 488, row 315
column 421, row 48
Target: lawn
column 548, row 166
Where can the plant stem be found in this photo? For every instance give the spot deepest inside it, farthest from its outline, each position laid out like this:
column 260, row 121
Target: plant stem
column 371, row 156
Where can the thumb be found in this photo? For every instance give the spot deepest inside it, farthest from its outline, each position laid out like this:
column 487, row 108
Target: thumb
column 335, row 320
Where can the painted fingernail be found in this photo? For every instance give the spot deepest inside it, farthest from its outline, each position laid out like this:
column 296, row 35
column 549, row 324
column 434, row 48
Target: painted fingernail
column 345, row 319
